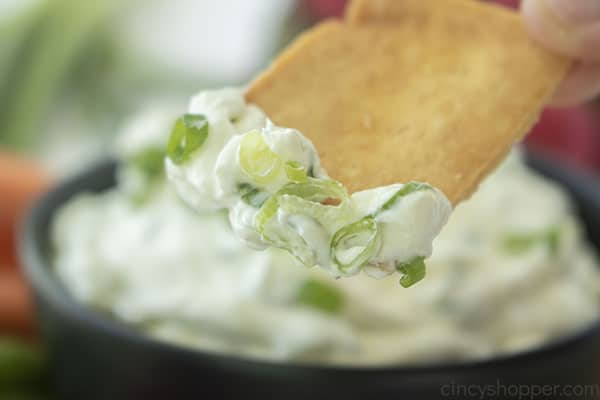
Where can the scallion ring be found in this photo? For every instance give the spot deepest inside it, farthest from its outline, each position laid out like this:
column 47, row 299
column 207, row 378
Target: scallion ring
column 355, row 244
column 188, row 135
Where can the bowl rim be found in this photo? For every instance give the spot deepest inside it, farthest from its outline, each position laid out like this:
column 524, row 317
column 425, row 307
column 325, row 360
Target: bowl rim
column 47, row 288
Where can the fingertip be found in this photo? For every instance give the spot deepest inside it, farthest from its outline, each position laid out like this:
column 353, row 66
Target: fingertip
column 546, row 27
column 581, row 84
column 560, row 31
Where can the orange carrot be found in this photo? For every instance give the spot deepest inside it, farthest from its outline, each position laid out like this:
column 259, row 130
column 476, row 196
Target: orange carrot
column 20, row 183
column 16, row 309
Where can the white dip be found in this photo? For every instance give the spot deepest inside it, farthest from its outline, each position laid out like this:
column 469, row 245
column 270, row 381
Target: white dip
column 510, row 270
column 225, row 154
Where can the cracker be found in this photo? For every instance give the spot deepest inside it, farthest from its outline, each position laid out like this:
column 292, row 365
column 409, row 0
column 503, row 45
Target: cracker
column 394, row 11
column 440, row 97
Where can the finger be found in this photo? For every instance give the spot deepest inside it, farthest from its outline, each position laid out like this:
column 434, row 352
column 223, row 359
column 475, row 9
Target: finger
column 582, row 84
column 571, row 27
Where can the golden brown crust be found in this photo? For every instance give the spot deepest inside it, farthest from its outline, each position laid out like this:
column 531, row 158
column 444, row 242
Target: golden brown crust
column 439, row 97
column 394, row 11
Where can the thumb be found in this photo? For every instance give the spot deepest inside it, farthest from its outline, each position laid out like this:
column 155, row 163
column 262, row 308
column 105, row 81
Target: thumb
column 571, row 27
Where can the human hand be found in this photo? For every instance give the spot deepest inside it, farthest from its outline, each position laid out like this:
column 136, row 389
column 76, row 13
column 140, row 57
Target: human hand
column 570, row 27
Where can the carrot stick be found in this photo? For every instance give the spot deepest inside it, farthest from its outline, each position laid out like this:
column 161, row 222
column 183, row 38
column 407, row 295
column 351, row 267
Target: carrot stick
column 16, row 308
column 20, row 183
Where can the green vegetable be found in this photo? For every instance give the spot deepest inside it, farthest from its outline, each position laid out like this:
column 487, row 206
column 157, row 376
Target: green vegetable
column 321, row 200
column 314, row 198
column 149, row 161
column 295, row 172
column 44, row 60
column 518, row 243
column 413, row 271
column 355, row 244
column 150, row 164
column 15, row 27
column 408, row 188
column 20, row 365
column 321, row 296
column 188, row 135
column 252, row 195
column 257, row 160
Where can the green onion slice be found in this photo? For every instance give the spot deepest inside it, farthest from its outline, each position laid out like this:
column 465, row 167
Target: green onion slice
column 321, row 200
column 321, row 296
column 315, row 198
column 149, row 161
column 295, row 172
column 188, row 135
column 518, row 243
column 413, row 271
column 408, row 188
column 355, row 244
column 251, row 195
column 257, row 160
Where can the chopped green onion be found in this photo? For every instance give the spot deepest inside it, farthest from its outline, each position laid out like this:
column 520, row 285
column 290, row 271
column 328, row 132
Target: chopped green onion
column 355, row 244
column 518, row 243
column 257, row 160
column 321, row 200
column 321, row 296
column 188, row 135
column 295, row 172
column 149, row 161
column 252, row 195
column 314, row 192
column 406, row 189
column 553, row 240
column 293, row 243
column 413, row 271
column 150, row 164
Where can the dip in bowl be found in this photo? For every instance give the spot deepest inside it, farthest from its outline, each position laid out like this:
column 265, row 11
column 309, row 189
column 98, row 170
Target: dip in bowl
column 143, row 297
column 97, row 356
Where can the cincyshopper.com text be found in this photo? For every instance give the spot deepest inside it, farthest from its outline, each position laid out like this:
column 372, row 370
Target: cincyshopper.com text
column 455, row 390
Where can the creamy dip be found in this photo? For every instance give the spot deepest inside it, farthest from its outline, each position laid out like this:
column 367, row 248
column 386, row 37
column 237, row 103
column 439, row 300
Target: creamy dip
column 509, row 271
column 225, row 154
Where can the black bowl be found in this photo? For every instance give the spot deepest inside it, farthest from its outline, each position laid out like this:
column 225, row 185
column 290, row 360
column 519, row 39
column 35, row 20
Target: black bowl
column 95, row 357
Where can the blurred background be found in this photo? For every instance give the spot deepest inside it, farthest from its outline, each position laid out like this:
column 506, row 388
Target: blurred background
column 71, row 72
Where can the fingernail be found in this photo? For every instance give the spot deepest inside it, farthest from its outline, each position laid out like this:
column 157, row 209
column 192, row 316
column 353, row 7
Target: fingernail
column 575, row 12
